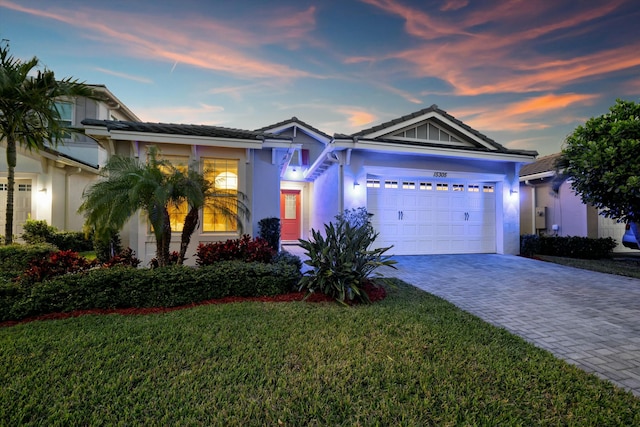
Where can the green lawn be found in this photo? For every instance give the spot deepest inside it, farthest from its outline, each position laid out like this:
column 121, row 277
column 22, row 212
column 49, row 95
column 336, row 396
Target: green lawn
column 412, row 359
column 620, row 265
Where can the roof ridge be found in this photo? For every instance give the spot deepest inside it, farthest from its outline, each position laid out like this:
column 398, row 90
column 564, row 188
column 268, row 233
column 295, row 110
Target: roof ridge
column 296, row 120
column 178, row 127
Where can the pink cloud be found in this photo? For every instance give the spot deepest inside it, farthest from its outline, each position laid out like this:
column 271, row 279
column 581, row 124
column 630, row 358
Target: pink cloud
column 190, row 42
column 504, row 57
column 454, row 5
column 124, row 75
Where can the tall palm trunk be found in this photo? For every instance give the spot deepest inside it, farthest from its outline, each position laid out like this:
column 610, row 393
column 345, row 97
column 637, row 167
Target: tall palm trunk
column 190, row 224
column 162, row 231
column 11, row 178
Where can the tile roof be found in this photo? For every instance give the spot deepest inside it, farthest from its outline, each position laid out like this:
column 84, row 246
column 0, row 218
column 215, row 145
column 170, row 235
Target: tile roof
column 182, row 129
column 436, row 145
column 543, row 164
column 432, row 109
column 294, row 120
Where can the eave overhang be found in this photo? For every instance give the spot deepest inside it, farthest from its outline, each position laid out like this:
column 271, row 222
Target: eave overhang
column 402, row 148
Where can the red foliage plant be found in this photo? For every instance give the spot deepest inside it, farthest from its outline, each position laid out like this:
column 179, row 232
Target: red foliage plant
column 243, row 249
column 56, row 264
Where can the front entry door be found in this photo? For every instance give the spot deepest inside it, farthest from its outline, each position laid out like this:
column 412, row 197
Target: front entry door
column 290, row 214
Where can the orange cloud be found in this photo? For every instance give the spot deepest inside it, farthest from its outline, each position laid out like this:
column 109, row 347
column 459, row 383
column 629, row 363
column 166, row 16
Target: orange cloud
column 357, row 118
column 534, row 113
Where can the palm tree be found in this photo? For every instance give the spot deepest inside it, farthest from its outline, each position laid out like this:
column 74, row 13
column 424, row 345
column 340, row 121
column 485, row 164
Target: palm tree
column 130, row 185
column 28, row 113
column 194, row 189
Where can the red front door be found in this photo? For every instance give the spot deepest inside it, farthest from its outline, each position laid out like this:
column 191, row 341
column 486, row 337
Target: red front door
column 290, row 214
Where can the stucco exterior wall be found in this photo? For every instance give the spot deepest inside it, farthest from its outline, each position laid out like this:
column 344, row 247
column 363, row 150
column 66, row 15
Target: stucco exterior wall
column 326, row 204
column 264, row 185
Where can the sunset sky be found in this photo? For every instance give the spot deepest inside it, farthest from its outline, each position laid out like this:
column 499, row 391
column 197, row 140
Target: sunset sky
column 523, row 72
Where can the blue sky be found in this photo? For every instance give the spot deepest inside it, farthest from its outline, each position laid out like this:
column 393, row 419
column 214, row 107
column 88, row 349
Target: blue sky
column 523, row 72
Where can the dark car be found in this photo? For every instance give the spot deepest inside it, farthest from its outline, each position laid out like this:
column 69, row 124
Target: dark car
column 629, row 238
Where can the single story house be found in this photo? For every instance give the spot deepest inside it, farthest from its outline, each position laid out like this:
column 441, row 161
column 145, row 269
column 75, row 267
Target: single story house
column 549, row 206
column 433, row 184
column 49, row 182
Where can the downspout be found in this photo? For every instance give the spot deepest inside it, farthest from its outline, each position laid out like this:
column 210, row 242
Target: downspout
column 337, row 158
column 343, row 159
column 533, row 205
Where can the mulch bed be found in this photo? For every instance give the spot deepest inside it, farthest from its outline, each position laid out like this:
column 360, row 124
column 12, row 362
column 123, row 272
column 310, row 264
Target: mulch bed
column 375, row 294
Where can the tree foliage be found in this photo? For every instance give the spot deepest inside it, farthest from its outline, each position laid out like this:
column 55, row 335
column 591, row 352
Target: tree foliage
column 602, row 160
column 28, row 114
column 129, row 185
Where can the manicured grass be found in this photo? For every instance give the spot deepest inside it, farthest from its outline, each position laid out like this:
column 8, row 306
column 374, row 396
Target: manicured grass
column 412, row 359
column 620, row 265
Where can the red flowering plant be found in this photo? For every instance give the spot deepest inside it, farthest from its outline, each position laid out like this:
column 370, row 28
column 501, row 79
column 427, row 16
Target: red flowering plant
column 243, row 249
column 55, row 264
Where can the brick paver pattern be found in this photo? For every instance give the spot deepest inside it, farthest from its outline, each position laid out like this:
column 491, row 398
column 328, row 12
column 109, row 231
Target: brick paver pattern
column 589, row 319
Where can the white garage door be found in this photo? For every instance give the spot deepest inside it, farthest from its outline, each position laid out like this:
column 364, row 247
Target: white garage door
column 420, row 216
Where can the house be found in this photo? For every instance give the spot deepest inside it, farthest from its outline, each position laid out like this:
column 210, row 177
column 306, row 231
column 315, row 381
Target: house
column 49, row 182
column 433, row 184
column 549, row 206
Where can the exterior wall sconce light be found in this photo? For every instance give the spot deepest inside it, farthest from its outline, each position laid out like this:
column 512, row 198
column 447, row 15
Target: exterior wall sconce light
column 513, row 192
column 355, row 184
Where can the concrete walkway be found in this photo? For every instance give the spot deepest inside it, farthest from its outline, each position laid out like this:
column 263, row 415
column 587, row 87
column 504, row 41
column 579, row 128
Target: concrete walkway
column 589, row 319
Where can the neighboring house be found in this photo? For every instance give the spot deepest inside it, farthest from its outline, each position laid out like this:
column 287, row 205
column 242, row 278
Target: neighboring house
column 49, row 183
column 432, row 183
column 548, row 206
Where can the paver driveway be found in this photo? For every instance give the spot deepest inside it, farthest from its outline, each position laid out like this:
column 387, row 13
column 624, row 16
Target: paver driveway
column 589, row 319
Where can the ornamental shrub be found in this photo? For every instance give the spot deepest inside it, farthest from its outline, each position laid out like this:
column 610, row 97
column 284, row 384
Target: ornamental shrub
column 15, row 259
column 269, row 230
column 243, row 249
column 55, row 264
column 567, row 246
column 38, row 231
column 342, row 261
column 121, row 287
column 107, row 247
column 529, row 244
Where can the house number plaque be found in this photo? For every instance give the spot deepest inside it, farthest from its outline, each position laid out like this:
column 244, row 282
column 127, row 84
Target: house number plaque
column 439, row 174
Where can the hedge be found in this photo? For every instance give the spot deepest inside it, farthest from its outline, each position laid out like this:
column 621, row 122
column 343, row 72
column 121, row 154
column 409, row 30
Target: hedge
column 567, row 246
column 125, row 287
column 15, row 259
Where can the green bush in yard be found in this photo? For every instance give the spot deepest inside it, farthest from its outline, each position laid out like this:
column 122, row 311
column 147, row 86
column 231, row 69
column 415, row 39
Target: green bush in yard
column 567, row 246
column 15, row 259
column 529, row 244
column 269, row 230
column 124, row 287
column 38, row 231
column 342, row 260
